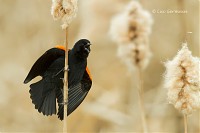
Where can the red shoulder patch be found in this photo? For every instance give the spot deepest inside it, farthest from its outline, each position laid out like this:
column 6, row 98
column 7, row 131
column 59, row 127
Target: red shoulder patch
column 60, row 47
column 88, row 71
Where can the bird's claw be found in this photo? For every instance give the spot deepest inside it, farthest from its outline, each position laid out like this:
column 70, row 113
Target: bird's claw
column 66, row 69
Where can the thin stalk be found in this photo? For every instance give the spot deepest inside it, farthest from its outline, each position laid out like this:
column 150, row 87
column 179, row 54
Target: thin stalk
column 65, row 92
column 185, row 123
column 141, row 101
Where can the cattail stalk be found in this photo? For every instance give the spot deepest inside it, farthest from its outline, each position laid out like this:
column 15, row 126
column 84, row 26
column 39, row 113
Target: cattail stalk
column 185, row 123
column 130, row 30
column 141, row 101
column 65, row 92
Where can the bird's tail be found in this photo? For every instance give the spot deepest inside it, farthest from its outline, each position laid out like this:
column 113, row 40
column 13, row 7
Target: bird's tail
column 43, row 97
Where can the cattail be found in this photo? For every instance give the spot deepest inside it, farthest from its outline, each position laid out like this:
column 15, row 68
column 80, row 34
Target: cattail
column 182, row 80
column 64, row 10
column 130, row 30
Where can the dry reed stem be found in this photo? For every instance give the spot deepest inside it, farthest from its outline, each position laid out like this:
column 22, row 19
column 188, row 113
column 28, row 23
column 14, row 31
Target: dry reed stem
column 141, row 100
column 185, row 123
column 65, row 92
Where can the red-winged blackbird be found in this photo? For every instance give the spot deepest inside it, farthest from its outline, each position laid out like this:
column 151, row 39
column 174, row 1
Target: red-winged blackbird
column 50, row 66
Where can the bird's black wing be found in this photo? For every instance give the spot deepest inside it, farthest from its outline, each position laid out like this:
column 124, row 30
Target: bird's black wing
column 76, row 95
column 44, row 92
column 76, row 69
column 43, row 63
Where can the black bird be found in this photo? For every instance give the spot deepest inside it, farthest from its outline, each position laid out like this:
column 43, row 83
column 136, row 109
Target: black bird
column 50, row 66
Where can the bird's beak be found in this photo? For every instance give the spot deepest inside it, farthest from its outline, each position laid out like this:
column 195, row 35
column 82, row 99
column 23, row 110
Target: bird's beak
column 87, row 47
column 88, row 51
column 88, row 44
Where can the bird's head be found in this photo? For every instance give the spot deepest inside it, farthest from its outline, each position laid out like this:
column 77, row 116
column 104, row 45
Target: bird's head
column 82, row 48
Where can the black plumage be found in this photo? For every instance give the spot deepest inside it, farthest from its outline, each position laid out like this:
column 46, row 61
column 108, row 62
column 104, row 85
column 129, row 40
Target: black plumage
column 50, row 66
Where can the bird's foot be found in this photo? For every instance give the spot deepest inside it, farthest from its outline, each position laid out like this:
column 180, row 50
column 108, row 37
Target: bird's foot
column 66, row 69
